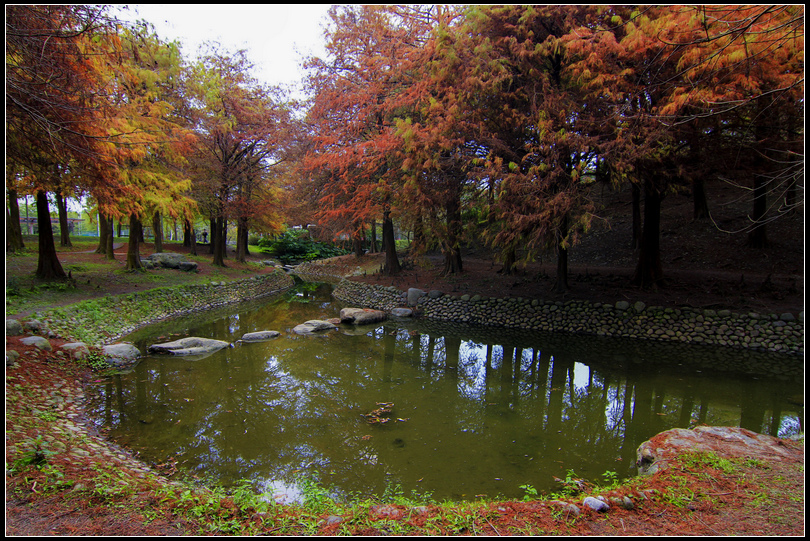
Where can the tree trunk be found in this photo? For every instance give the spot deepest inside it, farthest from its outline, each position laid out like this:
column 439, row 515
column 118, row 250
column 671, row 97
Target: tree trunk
column 103, row 231
column 218, row 241
column 187, row 232
column 757, row 237
column 64, row 228
column 213, row 229
column 373, row 247
column 392, row 265
column 14, row 239
column 242, row 240
column 701, row 204
column 508, row 262
column 48, row 265
column 562, row 257
column 157, row 229
column 133, row 248
column 452, row 248
column 649, row 272
column 193, row 242
column 110, row 249
column 357, row 239
column 636, row 241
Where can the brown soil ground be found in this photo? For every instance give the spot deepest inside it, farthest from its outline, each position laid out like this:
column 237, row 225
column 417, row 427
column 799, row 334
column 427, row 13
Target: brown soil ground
column 704, row 267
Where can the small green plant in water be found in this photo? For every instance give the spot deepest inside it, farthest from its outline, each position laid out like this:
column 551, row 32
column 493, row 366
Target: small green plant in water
column 530, row 493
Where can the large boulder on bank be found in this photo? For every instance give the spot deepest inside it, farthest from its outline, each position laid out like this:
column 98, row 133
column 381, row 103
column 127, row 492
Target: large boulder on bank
column 13, row 327
column 725, row 441
column 362, row 316
column 169, row 260
column 313, row 326
column 122, row 353
column 38, row 342
column 192, row 345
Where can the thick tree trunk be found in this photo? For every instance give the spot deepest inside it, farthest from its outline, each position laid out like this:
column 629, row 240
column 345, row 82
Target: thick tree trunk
column 133, row 248
column 193, row 242
column 242, row 240
column 157, row 230
column 64, row 227
column 649, row 272
column 103, row 232
column 48, row 265
column 392, row 265
column 218, row 241
column 14, row 239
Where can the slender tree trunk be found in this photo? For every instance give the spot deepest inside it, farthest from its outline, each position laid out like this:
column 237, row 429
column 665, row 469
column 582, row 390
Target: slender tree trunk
column 392, row 265
column 562, row 256
column 157, row 229
column 757, row 237
column 110, row 249
column 509, row 260
column 649, row 272
column 187, row 232
column 14, row 239
column 701, row 204
column 133, row 248
column 64, row 229
column 636, row 191
column 373, row 247
column 357, row 239
column 193, row 243
column 48, row 265
column 452, row 248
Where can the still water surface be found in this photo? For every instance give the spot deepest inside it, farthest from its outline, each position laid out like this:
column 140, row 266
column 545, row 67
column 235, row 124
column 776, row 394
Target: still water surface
column 475, row 411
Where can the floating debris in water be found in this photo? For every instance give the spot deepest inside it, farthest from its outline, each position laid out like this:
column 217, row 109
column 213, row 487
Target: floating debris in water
column 379, row 415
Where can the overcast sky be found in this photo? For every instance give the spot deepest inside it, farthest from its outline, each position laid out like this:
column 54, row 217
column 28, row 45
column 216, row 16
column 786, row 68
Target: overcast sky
column 276, row 36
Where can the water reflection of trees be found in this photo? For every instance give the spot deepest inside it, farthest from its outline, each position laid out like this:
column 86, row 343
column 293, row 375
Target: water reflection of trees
column 476, row 410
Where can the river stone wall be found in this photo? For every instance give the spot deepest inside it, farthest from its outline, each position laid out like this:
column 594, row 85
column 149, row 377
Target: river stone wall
column 101, row 321
column 774, row 333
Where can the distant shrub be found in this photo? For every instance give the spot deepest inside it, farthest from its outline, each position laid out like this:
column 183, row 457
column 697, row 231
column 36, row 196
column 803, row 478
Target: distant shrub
column 295, row 245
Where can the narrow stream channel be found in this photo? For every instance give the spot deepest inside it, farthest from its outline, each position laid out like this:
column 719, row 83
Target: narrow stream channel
column 473, row 412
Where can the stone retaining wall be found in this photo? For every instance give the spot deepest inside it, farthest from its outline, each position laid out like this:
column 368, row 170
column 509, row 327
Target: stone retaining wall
column 101, row 321
column 775, row 333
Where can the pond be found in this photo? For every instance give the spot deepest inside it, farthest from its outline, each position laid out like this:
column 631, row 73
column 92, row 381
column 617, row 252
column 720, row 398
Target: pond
column 450, row 411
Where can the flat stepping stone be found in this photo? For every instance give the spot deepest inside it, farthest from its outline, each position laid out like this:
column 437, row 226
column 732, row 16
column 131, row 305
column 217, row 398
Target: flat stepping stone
column 260, row 336
column 192, row 345
column 313, row 326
